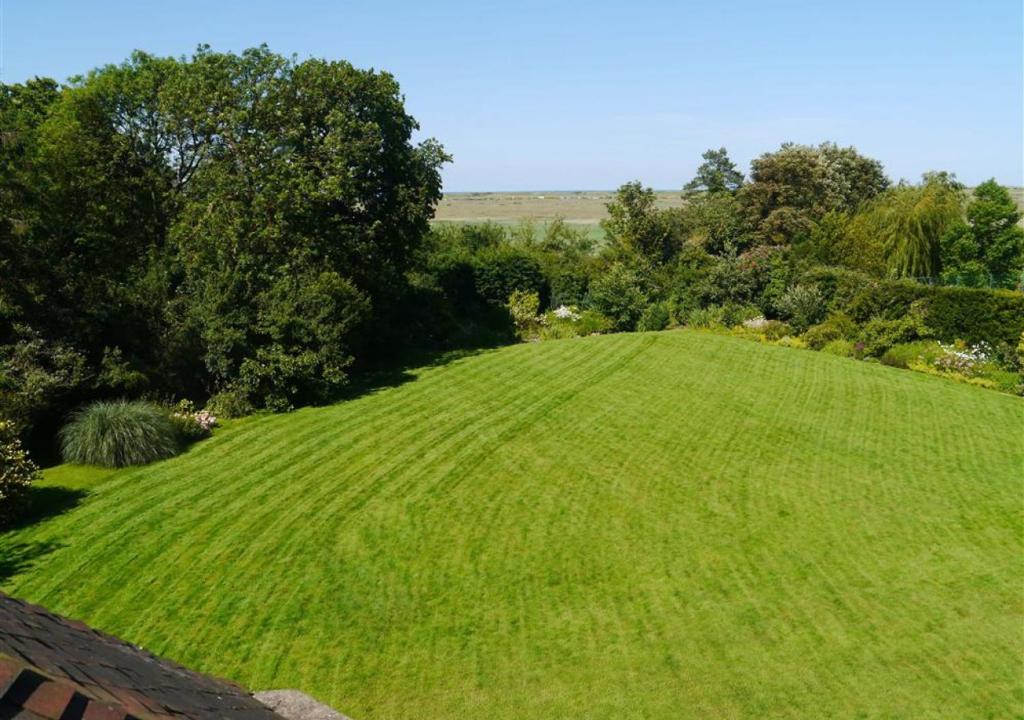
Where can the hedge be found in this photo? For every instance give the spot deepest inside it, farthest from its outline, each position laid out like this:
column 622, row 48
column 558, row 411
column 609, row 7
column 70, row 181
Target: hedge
column 970, row 314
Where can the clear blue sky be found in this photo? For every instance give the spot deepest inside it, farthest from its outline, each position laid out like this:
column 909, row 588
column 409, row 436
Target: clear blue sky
column 588, row 94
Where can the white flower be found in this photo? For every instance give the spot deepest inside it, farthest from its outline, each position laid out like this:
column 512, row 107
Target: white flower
column 566, row 313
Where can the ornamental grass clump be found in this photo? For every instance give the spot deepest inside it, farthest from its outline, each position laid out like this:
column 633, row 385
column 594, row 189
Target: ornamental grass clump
column 119, row 433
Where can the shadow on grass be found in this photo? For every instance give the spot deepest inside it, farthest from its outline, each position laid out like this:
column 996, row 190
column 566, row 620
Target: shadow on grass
column 17, row 557
column 366, row 382
column 47, row 502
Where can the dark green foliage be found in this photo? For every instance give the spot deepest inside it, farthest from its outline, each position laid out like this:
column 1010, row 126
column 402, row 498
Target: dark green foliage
column 879, row 334
column 837, row 326
column 715, row 222
column 569, row 288
column 952, row 313
column 119, row 433
column 182, row 226
column 717, row 174
column 500, row 272
column 987, row 250
column 621, row 295
column 17, row 473
column 794, row 187
column 635, row 227
column 36, row 376
column 230, row 403
column 654, row 317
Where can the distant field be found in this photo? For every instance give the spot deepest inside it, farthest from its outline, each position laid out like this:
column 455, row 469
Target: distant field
column 585, row 207
column 646, row 525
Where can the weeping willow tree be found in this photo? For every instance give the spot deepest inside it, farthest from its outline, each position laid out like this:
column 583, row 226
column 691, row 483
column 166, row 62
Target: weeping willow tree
column 910, row 221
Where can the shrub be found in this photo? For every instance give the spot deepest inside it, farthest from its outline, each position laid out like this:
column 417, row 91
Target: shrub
column 523, row 306
column 802, row 305
column 709, row 317
column 569, row 288
column 567, row 322
column 967, row 360
column 230, row 403
column 791, row 342
column 739, row 313
column 498, row 273
column 654, row 317
column 880, row 334
column 119, row 433
column 842, row 348
column 902, row 356
column 620, row 295
column 970, row 314
column 837, row 326
column 17, row 473
column 192, row 425
column 770, row 330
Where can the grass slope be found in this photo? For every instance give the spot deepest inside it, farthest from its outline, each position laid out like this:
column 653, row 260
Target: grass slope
column 634, row 526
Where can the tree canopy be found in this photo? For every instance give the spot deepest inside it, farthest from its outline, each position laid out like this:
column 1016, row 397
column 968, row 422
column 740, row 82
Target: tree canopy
column 221, row 222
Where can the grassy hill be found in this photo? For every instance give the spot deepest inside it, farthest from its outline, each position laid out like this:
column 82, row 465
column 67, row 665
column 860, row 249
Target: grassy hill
column 633, row 526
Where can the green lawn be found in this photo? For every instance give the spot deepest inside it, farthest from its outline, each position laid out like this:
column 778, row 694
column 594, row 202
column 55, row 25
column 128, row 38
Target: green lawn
column 668, row 525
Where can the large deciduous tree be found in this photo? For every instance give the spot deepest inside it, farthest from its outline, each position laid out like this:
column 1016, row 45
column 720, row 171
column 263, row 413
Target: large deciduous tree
column 989, row 248
column 793, row 188
column 910, row 221
column 186, row 225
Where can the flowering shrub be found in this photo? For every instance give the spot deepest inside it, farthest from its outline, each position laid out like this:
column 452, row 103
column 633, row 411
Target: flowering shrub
column 191, row 424
column 563, row 312
column 17, row 472
column 964, row 359
column 570, row 321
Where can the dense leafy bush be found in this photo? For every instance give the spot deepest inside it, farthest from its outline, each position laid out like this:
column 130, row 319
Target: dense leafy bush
column 17, row 473
column 119, row 433
column 655, row 317
column 802, row 306
column 988, row 249
column 902, row 356
column 837, row 326
column 706, row 318
column 229, row 403
column 501, row 272
column 620, row 294
column 971, row 314
column 879, row 334
column 842, row 348
column 523, row 307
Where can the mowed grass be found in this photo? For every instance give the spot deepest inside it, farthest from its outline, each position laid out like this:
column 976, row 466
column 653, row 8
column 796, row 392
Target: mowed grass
column 661, row 525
